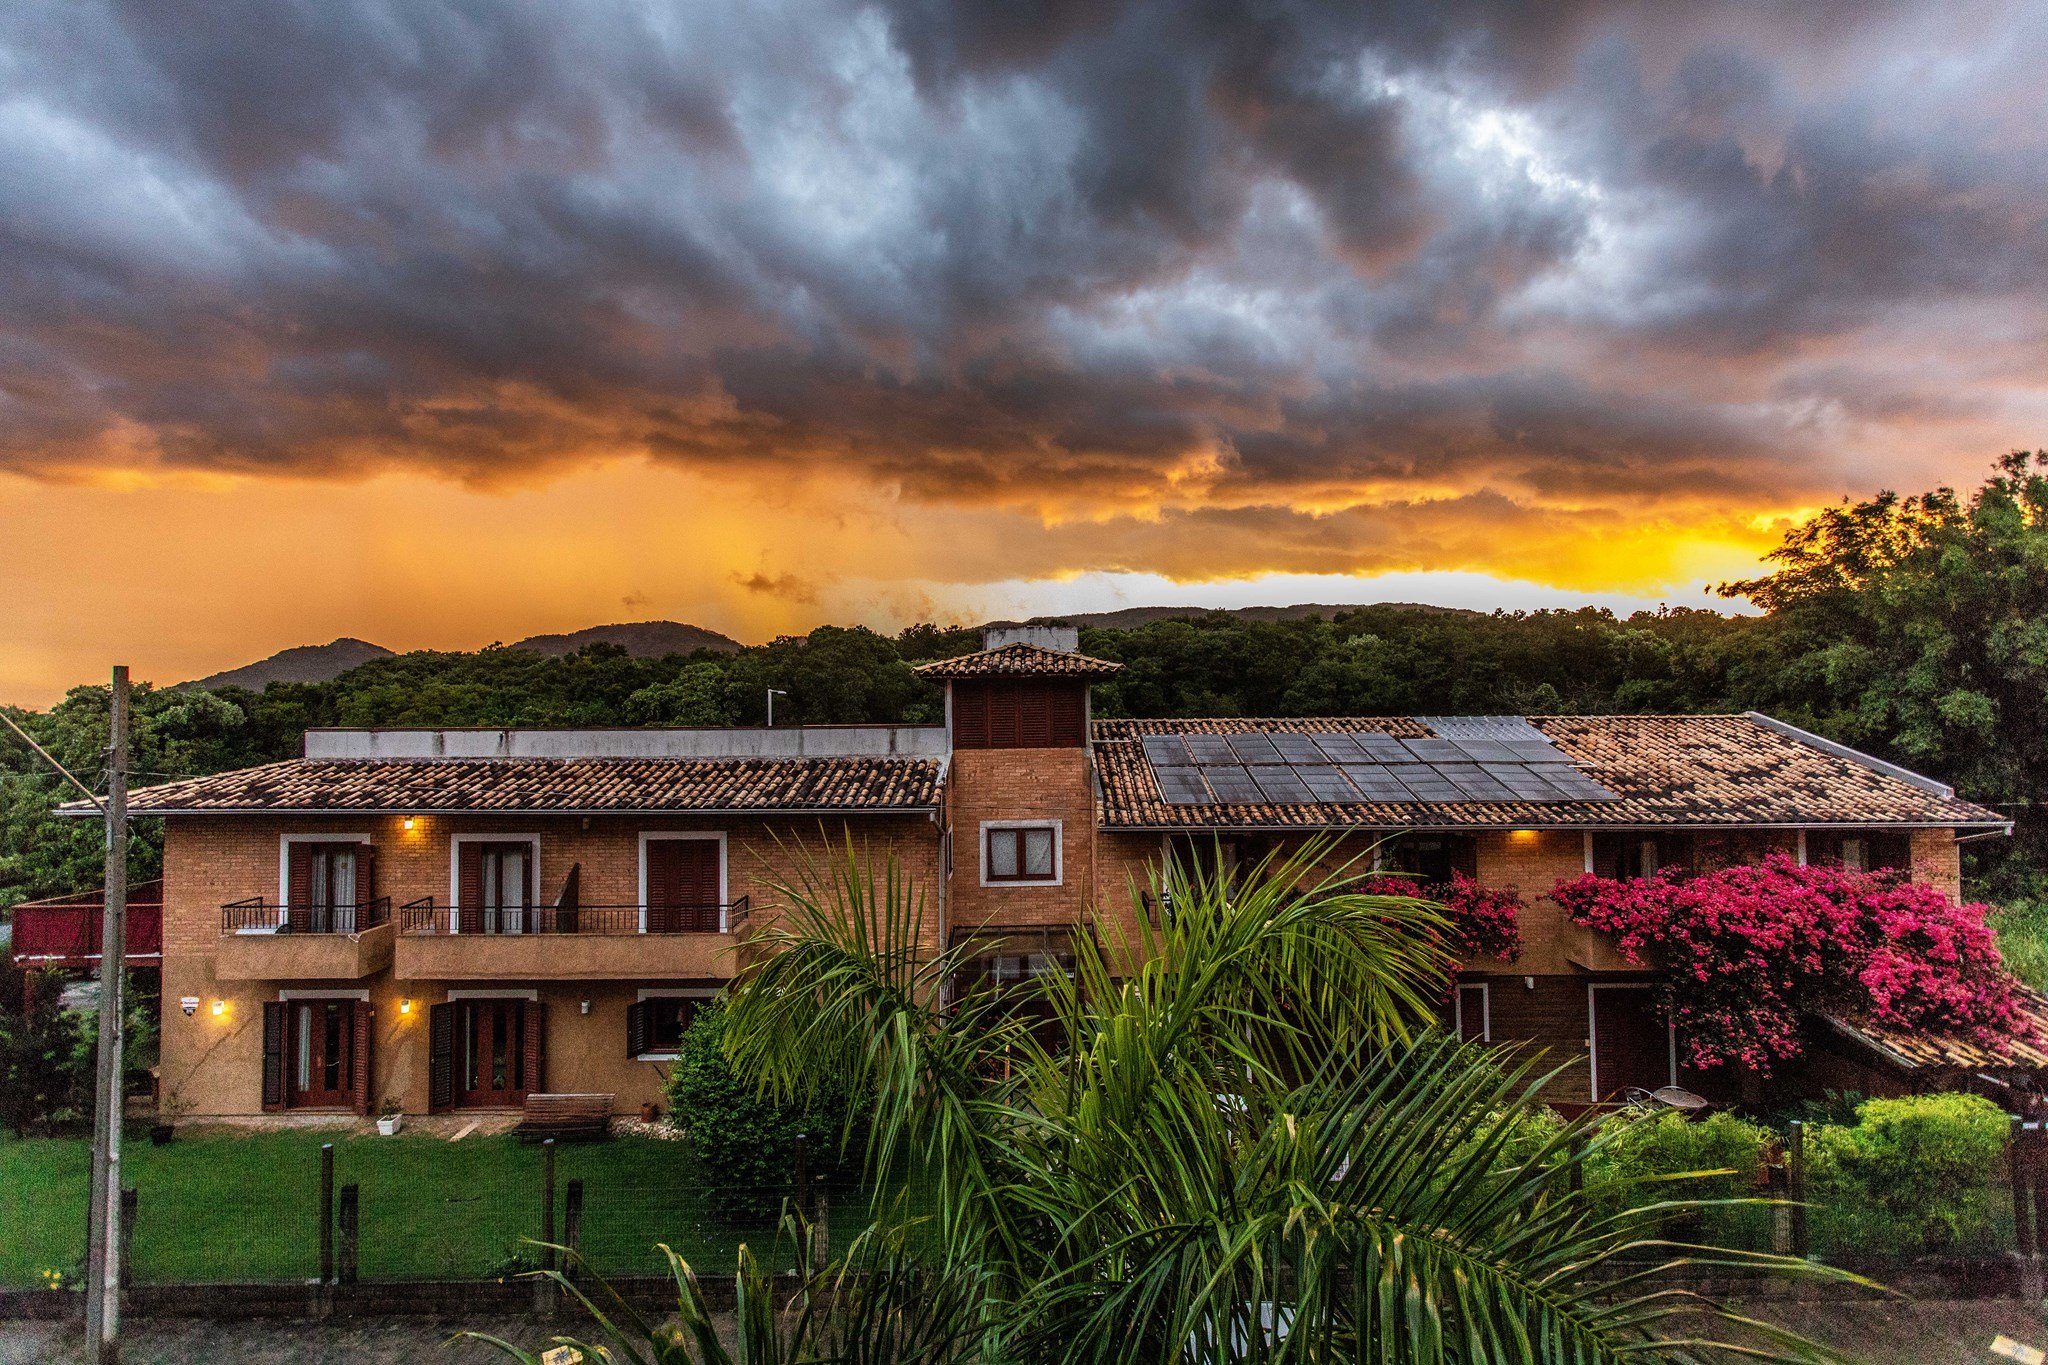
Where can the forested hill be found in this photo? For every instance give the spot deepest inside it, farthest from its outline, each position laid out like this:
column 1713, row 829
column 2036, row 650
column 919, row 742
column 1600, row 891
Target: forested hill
column 1910, row 627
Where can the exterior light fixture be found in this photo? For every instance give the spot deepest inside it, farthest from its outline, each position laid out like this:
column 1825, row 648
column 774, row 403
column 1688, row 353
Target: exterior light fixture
column 405, row 1005
column 220, row 1007
column 586, row 1007
column 189, row 1004
column 408, row 822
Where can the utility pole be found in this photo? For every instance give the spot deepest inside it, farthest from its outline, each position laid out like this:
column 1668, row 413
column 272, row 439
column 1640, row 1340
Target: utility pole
column 103, row 1253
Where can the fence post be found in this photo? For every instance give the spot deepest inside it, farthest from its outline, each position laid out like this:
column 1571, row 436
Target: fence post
column 572, row 1221
column 2029, row 1137
column 129, row 1199
column 351, row 1230
column 2024, row 1234
column 543, row 1286
column 803, row 1198
column 821, row 1230
column 327, row 1213
column 1795, row 1180
column 1781, row 1222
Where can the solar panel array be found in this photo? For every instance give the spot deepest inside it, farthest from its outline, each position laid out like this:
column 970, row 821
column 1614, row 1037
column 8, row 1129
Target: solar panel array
column 1470, row 758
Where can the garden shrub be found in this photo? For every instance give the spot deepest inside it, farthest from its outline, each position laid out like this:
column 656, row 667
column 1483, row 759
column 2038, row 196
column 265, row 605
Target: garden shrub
column 745, row 1145
column 1638, row 1149
column 46, row 1064
column 1912, row 1174
column 1485, row 920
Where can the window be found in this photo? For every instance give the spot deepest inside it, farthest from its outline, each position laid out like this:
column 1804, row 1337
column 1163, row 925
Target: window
column 1021, row 853
column 1645, row 854
column 1020, row 714
column 655, row 1024
column 497, row 884
column 1475, row 1012
column 1429, row 858
column 1875, row 850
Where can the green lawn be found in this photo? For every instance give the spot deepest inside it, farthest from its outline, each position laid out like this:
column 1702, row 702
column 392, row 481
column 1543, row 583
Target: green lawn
column 244, row 1207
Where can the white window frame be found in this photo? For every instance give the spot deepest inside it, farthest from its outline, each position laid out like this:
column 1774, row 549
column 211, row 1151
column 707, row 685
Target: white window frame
column 1593, row 1033
column 648, row 836
column 455, row 843
column 1485, row 990
column 497, row 993
column 288, row 996
column 671, row 993
column 1059, row 854
column 284, row 870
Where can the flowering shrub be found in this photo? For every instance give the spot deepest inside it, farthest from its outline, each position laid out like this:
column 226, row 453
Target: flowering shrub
column 1483, row 918
column 1749, row 950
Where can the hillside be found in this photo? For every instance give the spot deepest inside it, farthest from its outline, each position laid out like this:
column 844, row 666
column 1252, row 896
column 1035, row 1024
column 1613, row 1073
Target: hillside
column 301, row 663
column 641, row 639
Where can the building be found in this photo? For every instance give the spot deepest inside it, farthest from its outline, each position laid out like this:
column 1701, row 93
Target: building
column 452, row 919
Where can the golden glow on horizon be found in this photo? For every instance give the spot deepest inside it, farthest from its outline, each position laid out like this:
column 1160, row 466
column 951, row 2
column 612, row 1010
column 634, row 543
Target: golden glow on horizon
column 220, row 570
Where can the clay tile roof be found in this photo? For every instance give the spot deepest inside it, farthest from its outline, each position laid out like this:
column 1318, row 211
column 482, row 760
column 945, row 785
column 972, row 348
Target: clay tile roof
column 575, row 785
column 1662, row 770
column 1019, row 661
column 1914, row 1051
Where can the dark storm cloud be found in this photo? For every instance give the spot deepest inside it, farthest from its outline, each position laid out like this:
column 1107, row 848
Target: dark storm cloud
column 1024, row 254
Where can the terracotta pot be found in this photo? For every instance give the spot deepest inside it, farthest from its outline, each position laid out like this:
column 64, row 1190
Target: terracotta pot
column 648, row 1113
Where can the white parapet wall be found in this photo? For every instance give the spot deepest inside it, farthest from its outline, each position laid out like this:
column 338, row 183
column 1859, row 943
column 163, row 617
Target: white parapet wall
column 780, row 742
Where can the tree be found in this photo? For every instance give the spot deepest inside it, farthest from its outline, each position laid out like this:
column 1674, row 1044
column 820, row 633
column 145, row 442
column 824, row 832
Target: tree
column 46, row 1062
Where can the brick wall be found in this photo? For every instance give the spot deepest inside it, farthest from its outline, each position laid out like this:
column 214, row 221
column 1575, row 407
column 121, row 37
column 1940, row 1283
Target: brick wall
column 213, row 1063
column 1021, row 784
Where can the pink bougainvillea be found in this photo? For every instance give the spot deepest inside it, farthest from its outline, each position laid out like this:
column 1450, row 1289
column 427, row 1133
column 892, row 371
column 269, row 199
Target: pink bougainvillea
column 1483, row 918
column 1747, row 951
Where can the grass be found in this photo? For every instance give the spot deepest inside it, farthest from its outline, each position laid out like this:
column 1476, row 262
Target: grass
column 244, row 1207
column 2022, row 928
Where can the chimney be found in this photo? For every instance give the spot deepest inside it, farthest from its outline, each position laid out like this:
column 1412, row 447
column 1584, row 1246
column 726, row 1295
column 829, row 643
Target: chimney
column 1063, row 639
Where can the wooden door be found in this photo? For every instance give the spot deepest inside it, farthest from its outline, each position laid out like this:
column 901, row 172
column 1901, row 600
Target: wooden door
column 320, row 1054
column 682, row 886
column 495, row 1071
column 1473, row 1024
column 1631, row 1041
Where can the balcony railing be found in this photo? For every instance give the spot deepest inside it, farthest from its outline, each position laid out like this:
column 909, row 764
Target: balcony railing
column 429, row 916
column 258, row 916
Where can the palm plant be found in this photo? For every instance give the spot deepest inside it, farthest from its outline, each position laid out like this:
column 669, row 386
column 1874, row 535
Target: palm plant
column 1246, row 1144
column 1239, row 1139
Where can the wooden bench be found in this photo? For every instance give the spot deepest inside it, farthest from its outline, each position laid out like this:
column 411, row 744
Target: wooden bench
column 565, row 1116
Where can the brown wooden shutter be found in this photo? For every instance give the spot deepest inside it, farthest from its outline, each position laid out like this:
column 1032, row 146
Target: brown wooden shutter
column 970, row 716
column 662, row 884
column 273, row 1055
column 469, row 888
column 441, row 1057
column 298, row 883
column 636, row 1028
column 536, row 1046
column 359, row 1059
column 1069, row 716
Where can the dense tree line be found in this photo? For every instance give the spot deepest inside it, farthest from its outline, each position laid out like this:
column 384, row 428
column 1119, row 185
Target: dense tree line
column 1915, row 627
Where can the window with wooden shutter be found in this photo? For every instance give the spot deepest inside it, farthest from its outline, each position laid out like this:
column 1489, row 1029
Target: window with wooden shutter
column 359, row 1060
column 441, row 1058
column 1019, row 713
column 273, row 1055
column 298, row 880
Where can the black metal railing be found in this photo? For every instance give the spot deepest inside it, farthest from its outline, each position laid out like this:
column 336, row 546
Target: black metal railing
column 429, row 916
column 258, row 916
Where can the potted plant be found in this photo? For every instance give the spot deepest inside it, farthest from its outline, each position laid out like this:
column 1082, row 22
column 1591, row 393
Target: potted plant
column 168, row 1111
column 389, row 1115
column 648, row 1112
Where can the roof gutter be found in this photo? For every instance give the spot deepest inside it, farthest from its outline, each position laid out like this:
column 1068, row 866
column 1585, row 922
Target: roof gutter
column 1689, row 826
column 670, row 811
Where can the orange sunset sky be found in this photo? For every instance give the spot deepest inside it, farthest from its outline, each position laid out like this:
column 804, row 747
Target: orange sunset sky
column 381, row 319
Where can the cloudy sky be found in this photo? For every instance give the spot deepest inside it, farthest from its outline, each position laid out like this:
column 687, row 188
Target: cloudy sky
column 440, row 323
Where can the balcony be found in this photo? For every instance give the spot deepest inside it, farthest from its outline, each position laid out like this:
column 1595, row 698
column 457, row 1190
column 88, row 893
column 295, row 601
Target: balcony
column 439, row 941
column 267, row 941
column 65, row 932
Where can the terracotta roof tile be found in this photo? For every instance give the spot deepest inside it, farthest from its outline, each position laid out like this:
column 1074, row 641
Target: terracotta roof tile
column 1915, row 1050
column 1019, row 661
column 1663, row 770
column 573, row 785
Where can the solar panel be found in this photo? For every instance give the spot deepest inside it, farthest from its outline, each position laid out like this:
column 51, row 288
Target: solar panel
column 1339, row 748
column 1469, row 758
column 1182, row 786
column 1299, row 749
column 1327, row 784
column 1281, row 786
column 1255, row 748
column 1233, row 786
column 1376, row 783
column 1166, row 751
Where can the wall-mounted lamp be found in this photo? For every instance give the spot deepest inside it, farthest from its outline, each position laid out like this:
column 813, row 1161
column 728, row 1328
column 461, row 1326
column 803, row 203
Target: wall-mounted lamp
column 405, row 1005
column 1522, row 836
column 220, row 1007
column 586, row 1007
column 189, row 1004
column 1528, row 983
column 408, row 822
